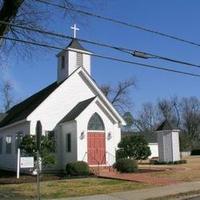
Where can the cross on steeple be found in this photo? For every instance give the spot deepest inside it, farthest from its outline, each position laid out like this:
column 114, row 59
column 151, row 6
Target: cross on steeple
column 75, row 28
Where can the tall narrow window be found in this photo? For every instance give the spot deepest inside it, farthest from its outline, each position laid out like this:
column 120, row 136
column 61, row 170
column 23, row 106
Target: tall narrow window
column 52, row 139
column 62, row 62
column 8, row 144
column 68, row 142
column 1, row 145
column 79, row 59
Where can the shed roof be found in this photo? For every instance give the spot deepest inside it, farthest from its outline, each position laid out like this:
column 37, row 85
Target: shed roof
column 165, row 125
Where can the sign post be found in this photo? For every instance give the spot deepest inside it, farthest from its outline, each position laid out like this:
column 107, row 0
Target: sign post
column 38, row 140
column 23, row 162
column 18, row 162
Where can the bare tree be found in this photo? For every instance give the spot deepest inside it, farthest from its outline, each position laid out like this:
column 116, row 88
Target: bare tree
column 34, row 14
column 147, row 119
column 170, row 110
column 182, row 113
column 7, row 95
column 8, row 12
column 190, row 108
column 119, row 95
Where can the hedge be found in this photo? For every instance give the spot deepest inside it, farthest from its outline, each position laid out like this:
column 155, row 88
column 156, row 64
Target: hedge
column 126, row 165
column 195, row 152
column 78, row 168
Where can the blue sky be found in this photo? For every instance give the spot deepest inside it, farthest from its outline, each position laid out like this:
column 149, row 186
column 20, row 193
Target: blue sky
column 176, row 17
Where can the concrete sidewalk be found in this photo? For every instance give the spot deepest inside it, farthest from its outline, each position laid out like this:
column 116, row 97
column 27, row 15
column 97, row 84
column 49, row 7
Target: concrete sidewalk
column 144, row 193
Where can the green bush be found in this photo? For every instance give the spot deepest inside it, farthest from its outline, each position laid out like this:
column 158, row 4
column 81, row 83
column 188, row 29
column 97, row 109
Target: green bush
column 134, row 146
column 126, row 165
column 195, row 152
column 78, row 168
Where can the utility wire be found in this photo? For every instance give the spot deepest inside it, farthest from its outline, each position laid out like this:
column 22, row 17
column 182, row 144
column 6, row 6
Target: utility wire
column 120, row 22
column 122, row 49
column 103, row 57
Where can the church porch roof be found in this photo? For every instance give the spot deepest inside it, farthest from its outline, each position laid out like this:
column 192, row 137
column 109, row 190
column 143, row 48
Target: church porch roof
column 77, row 110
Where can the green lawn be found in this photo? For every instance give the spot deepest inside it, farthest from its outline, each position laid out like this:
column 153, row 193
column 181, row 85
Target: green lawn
column 67, row 188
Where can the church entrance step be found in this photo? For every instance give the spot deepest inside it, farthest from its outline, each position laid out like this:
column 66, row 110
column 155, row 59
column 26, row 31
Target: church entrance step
column 98, row 170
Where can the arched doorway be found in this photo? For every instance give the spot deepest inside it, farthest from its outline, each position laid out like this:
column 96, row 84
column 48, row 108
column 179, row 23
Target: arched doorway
column 96, row 141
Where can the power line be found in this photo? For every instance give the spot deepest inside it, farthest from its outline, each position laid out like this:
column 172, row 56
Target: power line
column 150, row 55
column 120, row 22
column 104, row 57
column 125, row 50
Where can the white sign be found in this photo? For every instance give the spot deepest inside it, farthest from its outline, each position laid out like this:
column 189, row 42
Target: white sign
column 26, row 162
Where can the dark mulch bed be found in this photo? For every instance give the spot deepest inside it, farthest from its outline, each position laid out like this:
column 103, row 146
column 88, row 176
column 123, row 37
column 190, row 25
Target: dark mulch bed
column 7, row 177
column 150, row 170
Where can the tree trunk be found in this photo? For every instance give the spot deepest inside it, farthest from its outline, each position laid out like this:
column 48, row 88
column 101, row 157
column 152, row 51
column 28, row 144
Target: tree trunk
column 8, row 12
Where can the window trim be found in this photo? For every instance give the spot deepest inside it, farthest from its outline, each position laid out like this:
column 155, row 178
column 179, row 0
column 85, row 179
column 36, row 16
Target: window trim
column 100, row 120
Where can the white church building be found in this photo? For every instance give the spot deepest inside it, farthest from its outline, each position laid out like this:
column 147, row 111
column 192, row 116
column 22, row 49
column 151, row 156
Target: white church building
column 85, row 124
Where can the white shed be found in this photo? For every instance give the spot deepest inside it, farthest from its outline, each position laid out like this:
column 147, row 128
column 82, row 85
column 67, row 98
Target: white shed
column 168, row 143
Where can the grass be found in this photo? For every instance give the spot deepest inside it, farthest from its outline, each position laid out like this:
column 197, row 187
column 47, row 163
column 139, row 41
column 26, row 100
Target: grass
column 67, row 188
column 91, row 186
column 184, row 172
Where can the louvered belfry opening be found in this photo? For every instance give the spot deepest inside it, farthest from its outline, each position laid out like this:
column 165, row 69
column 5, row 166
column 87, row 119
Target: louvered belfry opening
column 79, row 59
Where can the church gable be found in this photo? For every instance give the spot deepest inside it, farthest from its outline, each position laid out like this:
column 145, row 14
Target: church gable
column 77, row 88
column 69, row 93
column 73, row 87
column 99, row 108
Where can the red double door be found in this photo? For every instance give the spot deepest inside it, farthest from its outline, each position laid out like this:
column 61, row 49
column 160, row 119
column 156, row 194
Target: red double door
column 96, row 148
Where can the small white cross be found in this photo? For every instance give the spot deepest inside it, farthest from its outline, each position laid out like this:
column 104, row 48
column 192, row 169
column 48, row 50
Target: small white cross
column 75, row 28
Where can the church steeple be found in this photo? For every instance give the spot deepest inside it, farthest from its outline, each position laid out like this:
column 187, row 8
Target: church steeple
column 72, row 57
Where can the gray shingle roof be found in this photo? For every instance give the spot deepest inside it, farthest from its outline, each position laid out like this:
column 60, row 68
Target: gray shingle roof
column 165, row 125
column 23, row 109
column 77, row 110
column 76, row 45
